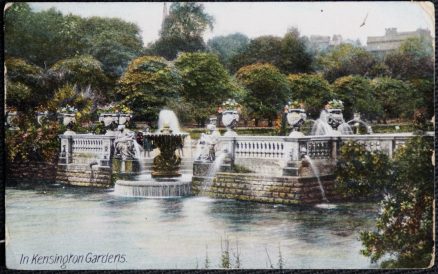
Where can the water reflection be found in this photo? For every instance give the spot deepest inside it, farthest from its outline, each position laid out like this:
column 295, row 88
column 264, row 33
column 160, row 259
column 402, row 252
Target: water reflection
column 165, row 233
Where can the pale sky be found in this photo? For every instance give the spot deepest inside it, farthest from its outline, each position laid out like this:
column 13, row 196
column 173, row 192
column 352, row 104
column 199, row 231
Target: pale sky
column 270, row 18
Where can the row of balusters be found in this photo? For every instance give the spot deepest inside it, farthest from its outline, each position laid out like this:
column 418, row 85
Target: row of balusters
column 260, row 149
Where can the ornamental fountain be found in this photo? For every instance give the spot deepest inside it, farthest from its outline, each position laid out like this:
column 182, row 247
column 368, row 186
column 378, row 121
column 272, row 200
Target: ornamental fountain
column 164, row 180
column 331, row 121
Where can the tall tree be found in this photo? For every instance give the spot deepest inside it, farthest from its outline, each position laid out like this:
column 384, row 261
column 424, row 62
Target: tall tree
column 147, row 86
column 295, row 56
column 113, row 42
column 268, row 90
column 288, row 53
column 311, row 89
column 404, row 227
column 413, row 60
column 357, row 95
column 85, row 73
column 206, row 83
column 182, row 30
column 227, row 46
column 395, row 96
column 41, row 38
column 346, row 59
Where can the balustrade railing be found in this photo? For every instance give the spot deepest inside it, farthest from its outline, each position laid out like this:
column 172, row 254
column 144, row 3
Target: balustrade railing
column 316, row 147
column 86, row 149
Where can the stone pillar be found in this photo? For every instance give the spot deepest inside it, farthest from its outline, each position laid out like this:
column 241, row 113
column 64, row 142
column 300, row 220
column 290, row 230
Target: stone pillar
column 66, row 150
column 105, row 159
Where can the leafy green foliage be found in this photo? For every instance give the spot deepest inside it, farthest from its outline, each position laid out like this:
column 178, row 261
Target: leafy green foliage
column 113, row 42
column 227, row 46
column 288, row 54
column 311, row 89
column 24, row 85
column 41, row 38
column 357, row 95
column 206, row 83
column 424, row 95
column 182, row 30
column 405, row 222
column 361, row 173
column 347, row 59
column 413, row 60
column 147, row 85
column 68, row 95
column 45, row 37
column 268, row 90
column 33, row 143
column 85, row 73
column 19, row 96
column 395, row 96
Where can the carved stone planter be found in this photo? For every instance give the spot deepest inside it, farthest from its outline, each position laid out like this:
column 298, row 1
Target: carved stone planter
column 230, row 119
column 12, row 120
column 335, row 117
column 296, row 118
column 68, row 119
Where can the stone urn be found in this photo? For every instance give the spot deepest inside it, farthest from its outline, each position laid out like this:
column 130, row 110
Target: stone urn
column 230, row 119
column 110, row 122
column 12, row 120
column 41, row 117
column 335, row 117
column 296, row 118
column 68, row 119
column 123, row 118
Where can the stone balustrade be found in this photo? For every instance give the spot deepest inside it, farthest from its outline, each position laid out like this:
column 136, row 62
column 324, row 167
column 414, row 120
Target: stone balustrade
column 86, row 149
column 316, row 147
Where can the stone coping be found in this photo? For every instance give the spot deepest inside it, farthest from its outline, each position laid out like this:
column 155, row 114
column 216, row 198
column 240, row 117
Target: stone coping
column 374, row 136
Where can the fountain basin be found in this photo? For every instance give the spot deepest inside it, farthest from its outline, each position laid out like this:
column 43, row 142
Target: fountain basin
column 154, row 188
column 167, row 163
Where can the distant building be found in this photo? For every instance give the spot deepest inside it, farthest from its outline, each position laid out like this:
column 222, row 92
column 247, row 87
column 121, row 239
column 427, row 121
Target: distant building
column 380, row 45
column 321, row 43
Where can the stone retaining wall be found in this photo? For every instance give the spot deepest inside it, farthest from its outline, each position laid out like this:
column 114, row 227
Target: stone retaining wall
column 268, row 189
column 44, row 172
column 84, row 175
column 30, row 172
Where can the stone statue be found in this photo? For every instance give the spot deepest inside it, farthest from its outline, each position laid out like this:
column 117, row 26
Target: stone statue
column 124, row 143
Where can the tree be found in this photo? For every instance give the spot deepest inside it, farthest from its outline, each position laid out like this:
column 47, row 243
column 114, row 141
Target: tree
column 395, row 96
column 424, row 93
column 361, row 173
column 263, row 49
column 413, row 60
column 289, row 53
column 113, row 42
column 227, row 46
column 346, row 59
column 357, row 96
column 41, row 38
column 268, row 90
column 45, row 37
column 24, row 85
column 85, row 73
column 206, row 83
column 147, row 85
column 182, row 30
column 295, row 56
column 311, row 89
column 405, row 223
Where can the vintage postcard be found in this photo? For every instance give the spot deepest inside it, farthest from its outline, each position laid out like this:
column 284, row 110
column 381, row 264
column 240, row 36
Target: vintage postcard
column 219, row 135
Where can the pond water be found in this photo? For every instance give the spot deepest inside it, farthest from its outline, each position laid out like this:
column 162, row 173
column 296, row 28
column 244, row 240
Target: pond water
column 178, row 233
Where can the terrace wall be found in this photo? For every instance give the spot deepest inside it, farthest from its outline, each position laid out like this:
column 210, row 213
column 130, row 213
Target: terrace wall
column 267, row 189
column 48, row 172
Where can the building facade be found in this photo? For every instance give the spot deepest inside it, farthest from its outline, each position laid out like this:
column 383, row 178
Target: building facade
column 380, row 45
